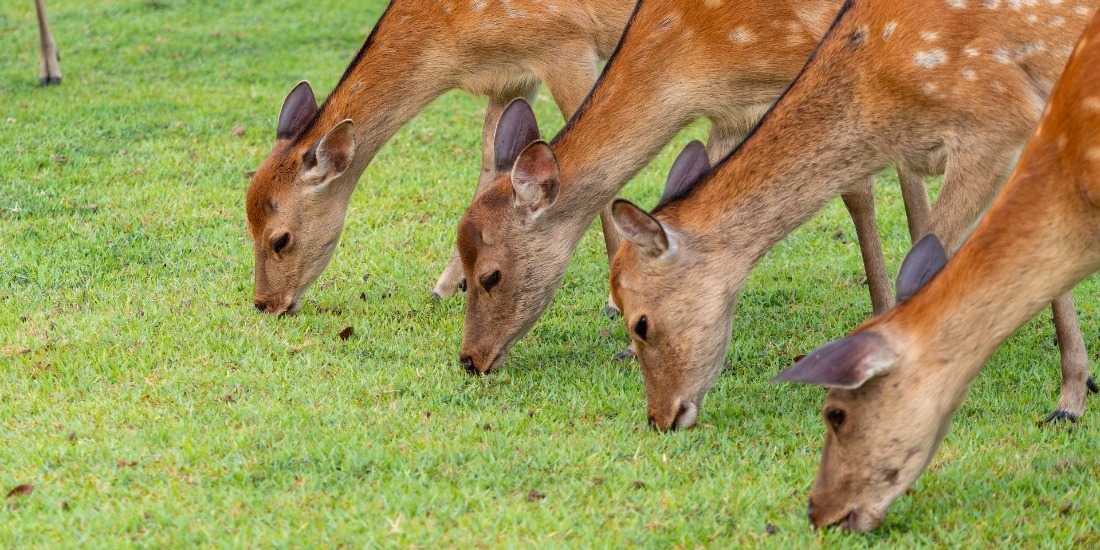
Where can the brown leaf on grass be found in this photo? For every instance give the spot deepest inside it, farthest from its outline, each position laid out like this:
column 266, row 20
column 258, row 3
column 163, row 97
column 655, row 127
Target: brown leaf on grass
column 798, row 358
column 346, row 333
column 21, row 490
column 605, row 333
column 771, row 529
column 12, row 351
column 248, row 175
column 237, row 131
column 125, row 464
column 535, row 496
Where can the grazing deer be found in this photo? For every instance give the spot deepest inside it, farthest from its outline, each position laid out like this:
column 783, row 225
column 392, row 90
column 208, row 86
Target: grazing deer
column 896, row 382
column 726, row 62
column 418, row 50
column 49, row 70
column 949, row 87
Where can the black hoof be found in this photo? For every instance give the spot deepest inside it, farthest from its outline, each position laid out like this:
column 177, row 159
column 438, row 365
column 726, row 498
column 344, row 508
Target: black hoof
column 625, row 355
column 435, row 296
column 1092, row 385
column 611, row 311
column 51, row 81
column 1060, row 415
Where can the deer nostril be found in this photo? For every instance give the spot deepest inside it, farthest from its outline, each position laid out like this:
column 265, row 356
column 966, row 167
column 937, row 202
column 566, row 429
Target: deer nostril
column 260, row 306
column 468, row 364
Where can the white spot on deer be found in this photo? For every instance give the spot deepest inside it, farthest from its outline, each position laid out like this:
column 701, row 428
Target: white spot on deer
column 970, row 75
column 1057, row 21
column 1002, row 56
column 928, row 88
column 1062, row 141
column 930, row 36
column 930, row 58
column 971, row 51
column 1082, row 10
column 992, row 4
column 957, row 4
column 999, row 86
column 477, row 5
column 889, row 29
column 1033, row 18
column 742, row 35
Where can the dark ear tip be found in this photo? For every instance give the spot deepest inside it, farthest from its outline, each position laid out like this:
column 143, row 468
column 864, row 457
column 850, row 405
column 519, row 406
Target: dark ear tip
column 518, row 104
column 923, row 262
column 696, row 146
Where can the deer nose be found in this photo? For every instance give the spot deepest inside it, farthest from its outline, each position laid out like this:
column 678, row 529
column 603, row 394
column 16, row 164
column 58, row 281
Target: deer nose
column 810, row 509
column 260, row 306
column 468, row 364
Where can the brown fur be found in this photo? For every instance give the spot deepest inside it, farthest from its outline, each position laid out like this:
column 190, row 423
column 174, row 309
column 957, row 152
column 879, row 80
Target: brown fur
column 49, row 69
column 1040, row 237
column 726, row 61
column 890, row 84
column 418, row 50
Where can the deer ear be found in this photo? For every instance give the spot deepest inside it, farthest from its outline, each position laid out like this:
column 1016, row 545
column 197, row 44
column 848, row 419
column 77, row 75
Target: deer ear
column 299, row 107
column 847, row 363
column 688, row 168
column 331, row 155
column 516, row 130
column 921, row 264
column 535, row 177
column 638, row 227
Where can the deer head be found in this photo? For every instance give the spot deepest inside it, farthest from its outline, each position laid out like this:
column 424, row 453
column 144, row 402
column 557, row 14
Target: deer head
column 296, row 206
column 680, row 326
column 884, row 417
column 511, row 267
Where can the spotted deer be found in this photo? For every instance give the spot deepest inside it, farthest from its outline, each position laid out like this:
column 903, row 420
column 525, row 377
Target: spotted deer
column 49, row 69
column 895, row 383
column 677, row 62
column 951, row 87
column 419, row 49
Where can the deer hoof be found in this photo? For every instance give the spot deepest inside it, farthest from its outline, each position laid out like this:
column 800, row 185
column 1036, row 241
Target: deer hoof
column 49, row 81
column 1092, row 385
column 435, row 296
column 611, row 311
column 1061, row 415
column 625, row 355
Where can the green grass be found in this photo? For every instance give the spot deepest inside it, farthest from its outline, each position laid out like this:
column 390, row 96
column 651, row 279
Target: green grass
column 149, row 404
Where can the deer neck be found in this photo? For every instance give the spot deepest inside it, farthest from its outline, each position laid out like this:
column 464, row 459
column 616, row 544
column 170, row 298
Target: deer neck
column 808, row 149
column 395, row 75
column 617, row 131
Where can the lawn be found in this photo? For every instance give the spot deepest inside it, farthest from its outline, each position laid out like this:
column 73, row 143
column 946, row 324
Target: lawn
column 148, row 403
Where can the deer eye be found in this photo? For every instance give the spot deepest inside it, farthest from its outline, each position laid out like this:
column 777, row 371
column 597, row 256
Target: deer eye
column 279, row 244
column 641, row 327
column 490, row 280
column 835, row 417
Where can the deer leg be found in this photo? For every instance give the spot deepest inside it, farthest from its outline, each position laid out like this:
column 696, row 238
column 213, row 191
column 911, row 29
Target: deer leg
column 49, row 70
column 1076, row 378
column 915, row 196
column 452, row 279
column 860, row 202
column 969, row 185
